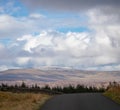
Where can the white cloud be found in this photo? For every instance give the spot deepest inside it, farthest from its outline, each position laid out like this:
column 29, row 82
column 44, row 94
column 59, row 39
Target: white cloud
column 73, row 49
column 22, row 60
column 71, row 42
column 53, row 48
column 12, row 27
column 106, row 36
column 99, row 48
column 3, row 68
column 36, row 16
column 35, row 41
column 102, row 60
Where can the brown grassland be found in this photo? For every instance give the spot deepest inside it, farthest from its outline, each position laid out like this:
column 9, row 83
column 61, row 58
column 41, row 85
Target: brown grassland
column 22, row 101
column 113, row 93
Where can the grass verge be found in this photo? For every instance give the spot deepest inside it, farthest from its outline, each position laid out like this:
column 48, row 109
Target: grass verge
column 22, row 101
column 113, row 93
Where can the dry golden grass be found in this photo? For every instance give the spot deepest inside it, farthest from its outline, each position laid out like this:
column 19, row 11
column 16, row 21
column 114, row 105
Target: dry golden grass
column 114, row 93
column 22, row 101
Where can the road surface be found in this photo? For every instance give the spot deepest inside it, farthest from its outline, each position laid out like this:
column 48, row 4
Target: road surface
column 87, row 101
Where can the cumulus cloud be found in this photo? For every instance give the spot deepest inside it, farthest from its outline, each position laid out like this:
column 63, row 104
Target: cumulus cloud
column 48, row 48
column 56, row 40
column 97, row 49
column 22, row 60
column 12, row 27
column 53, row 48
column 3, row 67
column 36, row 16
column 15, row 27
column 106, row 30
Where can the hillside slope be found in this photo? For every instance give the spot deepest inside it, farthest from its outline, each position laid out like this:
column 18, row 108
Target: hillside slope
column 21, row 101
column 113, row 93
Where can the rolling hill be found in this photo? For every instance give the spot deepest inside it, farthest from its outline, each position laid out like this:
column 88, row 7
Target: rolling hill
column 58, row 76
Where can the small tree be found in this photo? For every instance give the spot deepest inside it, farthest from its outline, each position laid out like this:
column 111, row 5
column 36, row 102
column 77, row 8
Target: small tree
column 47, row 87
column 23, row 85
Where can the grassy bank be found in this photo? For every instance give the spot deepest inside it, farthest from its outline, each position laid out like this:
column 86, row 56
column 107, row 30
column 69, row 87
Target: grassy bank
column 113, row 93
column 22, row 101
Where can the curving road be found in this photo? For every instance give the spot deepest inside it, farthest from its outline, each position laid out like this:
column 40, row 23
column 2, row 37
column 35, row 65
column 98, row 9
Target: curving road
column 88, row 101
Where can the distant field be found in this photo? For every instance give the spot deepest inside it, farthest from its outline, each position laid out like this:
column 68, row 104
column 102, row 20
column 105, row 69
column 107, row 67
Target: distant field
column 114, row 94
column 22, row 101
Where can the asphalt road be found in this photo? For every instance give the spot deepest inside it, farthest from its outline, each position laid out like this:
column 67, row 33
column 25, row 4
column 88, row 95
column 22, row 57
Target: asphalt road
column 87, row 101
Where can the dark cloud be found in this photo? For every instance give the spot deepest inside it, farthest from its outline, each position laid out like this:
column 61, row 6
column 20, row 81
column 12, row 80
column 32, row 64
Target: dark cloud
column 71, row 5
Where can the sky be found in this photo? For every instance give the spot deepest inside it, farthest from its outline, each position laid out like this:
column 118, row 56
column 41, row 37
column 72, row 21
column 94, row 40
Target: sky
column 80, row 34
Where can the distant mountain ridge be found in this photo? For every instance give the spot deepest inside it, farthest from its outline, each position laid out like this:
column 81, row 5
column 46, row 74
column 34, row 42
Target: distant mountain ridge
column 57, row 76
